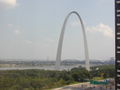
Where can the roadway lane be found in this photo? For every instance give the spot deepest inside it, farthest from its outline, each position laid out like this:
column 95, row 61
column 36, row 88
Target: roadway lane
column 86, row 86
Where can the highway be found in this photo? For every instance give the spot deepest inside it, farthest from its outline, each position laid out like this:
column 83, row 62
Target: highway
column 86, row 86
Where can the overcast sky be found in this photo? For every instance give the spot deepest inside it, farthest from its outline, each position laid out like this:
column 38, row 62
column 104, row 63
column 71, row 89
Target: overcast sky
column 30, row 29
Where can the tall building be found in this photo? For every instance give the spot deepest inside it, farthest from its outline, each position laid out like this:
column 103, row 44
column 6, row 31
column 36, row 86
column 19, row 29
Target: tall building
column 117, row 39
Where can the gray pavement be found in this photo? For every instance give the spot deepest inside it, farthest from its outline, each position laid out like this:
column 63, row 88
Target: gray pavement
column 86, row 86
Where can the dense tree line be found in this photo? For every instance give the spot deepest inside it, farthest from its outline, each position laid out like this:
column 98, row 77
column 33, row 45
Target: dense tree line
column 45, row 79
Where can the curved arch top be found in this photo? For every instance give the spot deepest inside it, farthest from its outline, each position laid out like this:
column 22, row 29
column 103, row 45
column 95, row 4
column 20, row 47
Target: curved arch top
column 59, row 49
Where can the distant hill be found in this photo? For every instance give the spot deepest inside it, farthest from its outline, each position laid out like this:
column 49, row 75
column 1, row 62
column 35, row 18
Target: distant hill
column 66, row 61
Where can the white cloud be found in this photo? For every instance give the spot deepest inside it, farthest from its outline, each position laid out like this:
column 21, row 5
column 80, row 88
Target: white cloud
column 17, row 32
column 75, row 24
column 28, row 41
column 102, row 28
column 10, row 25
column 4, row 4
column 49, row 40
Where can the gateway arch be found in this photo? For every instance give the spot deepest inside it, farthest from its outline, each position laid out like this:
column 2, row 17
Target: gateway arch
column 60, row 43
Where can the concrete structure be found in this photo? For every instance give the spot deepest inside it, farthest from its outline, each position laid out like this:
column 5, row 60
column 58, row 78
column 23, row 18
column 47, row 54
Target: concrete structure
column 117, row 45
column 59, row 49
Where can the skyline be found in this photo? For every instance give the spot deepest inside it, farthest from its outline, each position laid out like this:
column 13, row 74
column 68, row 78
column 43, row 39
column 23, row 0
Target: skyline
column 30, row 29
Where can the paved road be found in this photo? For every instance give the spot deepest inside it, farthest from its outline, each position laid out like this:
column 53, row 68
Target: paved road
column 85, row 86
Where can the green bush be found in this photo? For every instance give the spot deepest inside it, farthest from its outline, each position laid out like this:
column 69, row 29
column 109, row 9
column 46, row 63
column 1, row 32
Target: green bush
column 45, row 79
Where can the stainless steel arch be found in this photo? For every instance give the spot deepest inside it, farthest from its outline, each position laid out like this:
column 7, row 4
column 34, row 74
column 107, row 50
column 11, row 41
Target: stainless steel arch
column 59, row 49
